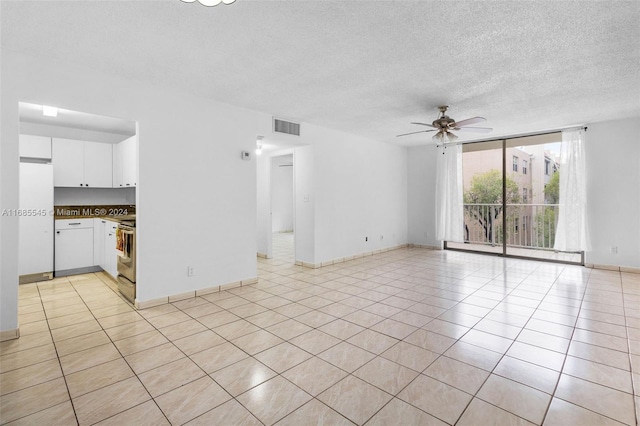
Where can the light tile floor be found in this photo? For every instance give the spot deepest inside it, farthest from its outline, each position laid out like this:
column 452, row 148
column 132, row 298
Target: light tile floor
column 282, row 246
column 411, row 336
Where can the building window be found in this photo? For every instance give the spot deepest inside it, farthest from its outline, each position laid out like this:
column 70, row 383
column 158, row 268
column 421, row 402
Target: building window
column 524, row 223
column 524, row 167
column 525, row 195
column 516, row 223
column 515, row 163
column 547, row 163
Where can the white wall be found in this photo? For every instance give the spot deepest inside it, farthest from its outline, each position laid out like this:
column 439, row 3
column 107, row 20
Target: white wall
column 421, row 195
column 304, row 177
column 93, row 196
column 346, row 188
column 196, row 197
column 263, row 195
column 613, row 192
column 282, row 193
column 361, row 192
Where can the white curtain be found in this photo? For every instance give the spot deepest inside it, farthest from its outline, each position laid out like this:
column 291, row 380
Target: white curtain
column 449, row 204
column 571, row 232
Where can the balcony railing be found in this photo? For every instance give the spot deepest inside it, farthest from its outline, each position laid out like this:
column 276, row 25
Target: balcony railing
column 527, row 225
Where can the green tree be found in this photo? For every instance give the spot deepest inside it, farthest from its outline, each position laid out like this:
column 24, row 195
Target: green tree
column 546, row 219
column 486, row 188
column 552, row 189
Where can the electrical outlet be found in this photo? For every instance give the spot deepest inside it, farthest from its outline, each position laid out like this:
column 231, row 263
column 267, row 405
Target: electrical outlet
column 191, row 271
column 382, row 237
column 614, row 250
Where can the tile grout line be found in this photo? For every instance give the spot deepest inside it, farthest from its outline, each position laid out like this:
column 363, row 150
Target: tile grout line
column 633, row 382
column 443, row 287
column 505, row 352
column 564, row 361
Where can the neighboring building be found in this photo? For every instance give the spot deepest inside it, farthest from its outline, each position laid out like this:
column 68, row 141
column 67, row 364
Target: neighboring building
column 531, row 168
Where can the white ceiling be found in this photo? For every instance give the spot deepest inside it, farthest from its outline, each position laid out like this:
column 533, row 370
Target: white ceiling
column 365, row 67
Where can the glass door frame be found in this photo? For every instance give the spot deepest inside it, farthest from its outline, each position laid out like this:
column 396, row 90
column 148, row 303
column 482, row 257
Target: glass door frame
column 505, row 252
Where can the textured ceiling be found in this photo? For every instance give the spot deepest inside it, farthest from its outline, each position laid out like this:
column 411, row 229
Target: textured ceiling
column 365, row 67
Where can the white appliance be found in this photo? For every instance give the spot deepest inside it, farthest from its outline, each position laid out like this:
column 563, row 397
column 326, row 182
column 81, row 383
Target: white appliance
column 36, row 224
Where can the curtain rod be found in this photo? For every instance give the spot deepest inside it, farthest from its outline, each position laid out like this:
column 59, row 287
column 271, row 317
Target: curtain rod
column 524, row 135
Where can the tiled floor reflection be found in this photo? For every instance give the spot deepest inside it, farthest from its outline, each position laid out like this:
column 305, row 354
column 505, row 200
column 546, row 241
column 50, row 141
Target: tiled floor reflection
column 407, row 337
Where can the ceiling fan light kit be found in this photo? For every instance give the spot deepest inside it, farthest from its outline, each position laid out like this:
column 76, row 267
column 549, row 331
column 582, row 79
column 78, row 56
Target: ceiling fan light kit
column 210, row 3
column 443, row 126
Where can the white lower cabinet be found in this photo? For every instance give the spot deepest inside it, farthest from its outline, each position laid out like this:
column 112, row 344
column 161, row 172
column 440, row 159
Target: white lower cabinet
column 110, row 253
column 104, row 247
column 73, row 244
column 83, row 243
column 99, row 226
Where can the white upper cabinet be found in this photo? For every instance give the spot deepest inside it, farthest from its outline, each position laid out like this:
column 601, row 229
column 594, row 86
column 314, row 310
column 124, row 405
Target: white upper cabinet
column 35, row 147
column 117, row 166
column 125, row 170
column 82, row 164
column 68, row 162
column 98, row 159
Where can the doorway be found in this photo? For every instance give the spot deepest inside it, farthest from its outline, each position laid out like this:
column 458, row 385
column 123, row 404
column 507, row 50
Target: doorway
column 511, row 198
column 79, row 171
column 282, row 208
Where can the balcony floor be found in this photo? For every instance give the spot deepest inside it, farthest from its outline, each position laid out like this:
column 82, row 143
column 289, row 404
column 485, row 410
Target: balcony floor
column 519, row 251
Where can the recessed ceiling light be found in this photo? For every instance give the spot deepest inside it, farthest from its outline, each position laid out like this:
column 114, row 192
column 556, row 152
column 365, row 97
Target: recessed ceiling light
column 49, row 111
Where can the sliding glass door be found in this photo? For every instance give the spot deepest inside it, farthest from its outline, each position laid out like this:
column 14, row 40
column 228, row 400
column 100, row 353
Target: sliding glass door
column 511, row 198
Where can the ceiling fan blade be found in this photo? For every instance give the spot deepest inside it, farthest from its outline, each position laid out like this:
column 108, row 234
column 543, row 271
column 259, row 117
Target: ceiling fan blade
column 474, row 129
column 413, row 133
column 469, row 121
column 425, row 124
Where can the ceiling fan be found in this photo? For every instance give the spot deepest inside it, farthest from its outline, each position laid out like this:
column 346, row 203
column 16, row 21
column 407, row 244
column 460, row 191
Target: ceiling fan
column 443, row 125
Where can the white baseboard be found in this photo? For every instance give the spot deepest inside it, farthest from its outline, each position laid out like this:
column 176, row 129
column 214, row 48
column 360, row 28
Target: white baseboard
column 424, row 246
column 151, row 303
column 348, row 258
column 613, row 268
column 191, row 294
column 9, row 334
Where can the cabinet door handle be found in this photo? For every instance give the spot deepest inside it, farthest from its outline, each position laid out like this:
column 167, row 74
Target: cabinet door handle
column 120, row 184
column 75, row 223
column 86, row 184
column 57, row 232
column 81, row 185
column 103, row 221
column 128, row 184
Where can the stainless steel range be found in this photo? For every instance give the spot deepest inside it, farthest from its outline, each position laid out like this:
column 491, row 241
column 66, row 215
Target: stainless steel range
column 126, row 244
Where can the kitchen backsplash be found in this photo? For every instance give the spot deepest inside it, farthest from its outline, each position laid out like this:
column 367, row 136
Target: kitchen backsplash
column 94, row 196
column 77, row 212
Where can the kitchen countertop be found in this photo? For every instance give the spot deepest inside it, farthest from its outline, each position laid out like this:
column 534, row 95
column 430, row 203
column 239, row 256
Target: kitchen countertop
column 116, row 213
column 119, row 219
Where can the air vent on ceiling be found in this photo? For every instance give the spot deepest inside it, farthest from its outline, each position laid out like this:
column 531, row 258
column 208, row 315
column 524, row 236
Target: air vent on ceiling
column 287, row 127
